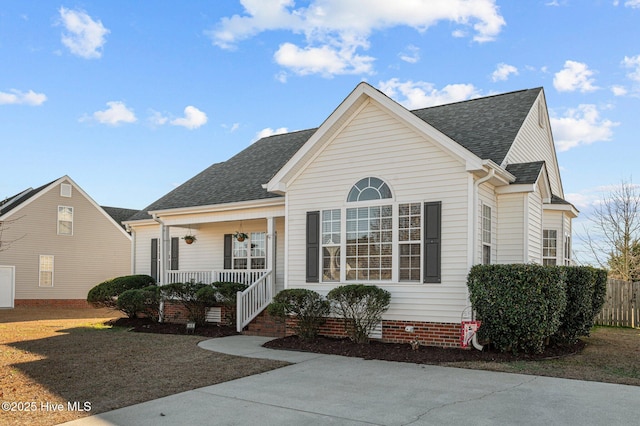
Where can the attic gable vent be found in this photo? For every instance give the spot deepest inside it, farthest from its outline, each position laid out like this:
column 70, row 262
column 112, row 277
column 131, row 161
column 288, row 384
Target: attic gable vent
column 65, row 190
column 542, row 116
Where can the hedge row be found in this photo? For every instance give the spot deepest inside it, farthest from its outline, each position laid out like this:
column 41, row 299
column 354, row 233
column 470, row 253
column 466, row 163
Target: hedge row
column 105, row 294
column 523, row 307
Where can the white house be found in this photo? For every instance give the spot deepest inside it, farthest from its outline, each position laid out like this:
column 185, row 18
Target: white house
column 405, row 200
column 56, row 243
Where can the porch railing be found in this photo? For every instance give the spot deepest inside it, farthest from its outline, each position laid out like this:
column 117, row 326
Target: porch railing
column 208, row 277
column 254, row 299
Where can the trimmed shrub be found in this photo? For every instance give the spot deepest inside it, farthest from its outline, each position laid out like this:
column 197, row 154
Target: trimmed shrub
column 584, row 301
column 361, row 306
column 187, row 295
column 308, row 307
column 105, row 294
column 142, row 301
column 520, row 306
column 228, row 291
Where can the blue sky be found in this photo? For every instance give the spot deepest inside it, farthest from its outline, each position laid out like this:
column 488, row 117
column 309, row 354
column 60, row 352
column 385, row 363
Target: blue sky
column 132, row 98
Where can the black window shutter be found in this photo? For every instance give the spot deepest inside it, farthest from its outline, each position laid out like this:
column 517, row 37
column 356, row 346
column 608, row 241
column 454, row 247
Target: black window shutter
column 175, row 244
column 432, row 241
column 228, row 250
column 313, row 247
column 154, row 258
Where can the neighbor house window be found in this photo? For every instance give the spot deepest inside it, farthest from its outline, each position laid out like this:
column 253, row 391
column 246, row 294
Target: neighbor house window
column 65, row 220
column 373, row 238
column 486, row 234
column 331, row 245
column 549, row 246
column 46, row 271
column 250, row 253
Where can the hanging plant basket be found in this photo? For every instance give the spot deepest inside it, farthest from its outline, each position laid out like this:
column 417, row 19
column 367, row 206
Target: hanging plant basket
column 240, row 236
column 189, row 239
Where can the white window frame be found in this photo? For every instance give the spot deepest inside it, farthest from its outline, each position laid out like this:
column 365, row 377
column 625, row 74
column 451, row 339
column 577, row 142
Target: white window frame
column 329, row 237
column 411, row 240
column 567, row 249
column 46, row 267
column 248, row 251
column 547, row 257
column 486, row 231
column 63, row 218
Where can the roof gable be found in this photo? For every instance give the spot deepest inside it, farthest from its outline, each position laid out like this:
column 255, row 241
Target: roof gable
column 13, row 205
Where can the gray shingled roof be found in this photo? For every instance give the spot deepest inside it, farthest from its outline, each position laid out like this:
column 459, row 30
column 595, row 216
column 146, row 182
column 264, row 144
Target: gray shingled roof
column 14, row 201
column 238, row 179
column 525, row 172
column 119, row 214
column 485, row 126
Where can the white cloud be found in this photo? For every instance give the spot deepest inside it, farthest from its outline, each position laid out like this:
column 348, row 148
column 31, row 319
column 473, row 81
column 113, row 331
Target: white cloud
column 269, row 132
column 632, row 3
column 503, row 71
column 116, row 114
column 325, row 60
column 16, row 97
column 335, row 30
column 193, row 118
column 574, row 76
column 619, row 90
column 157, row 119
column 420, row 94
column 411, row 54
column 84, row 36
column 632, row 62
column 581, row 126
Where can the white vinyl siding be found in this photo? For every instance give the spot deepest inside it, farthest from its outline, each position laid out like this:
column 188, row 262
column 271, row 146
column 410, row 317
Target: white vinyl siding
column 534, row 225
column 534, row 143
column 510, row 238
column 374, row 144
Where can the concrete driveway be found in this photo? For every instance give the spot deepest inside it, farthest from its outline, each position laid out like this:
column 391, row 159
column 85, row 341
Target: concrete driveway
column 326, row 389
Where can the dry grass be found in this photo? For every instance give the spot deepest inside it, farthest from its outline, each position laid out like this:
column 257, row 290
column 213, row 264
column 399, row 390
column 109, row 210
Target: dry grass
column 61, row 356
column 612, row 355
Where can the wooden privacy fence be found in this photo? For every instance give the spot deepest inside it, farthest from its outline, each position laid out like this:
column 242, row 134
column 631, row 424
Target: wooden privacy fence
column 622, row 304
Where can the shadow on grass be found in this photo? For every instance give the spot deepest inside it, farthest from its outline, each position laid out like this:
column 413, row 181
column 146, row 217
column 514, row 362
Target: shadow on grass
column 112, row 368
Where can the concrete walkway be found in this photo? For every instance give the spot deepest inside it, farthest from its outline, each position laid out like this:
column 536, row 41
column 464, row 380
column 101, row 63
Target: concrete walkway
column 327, row 389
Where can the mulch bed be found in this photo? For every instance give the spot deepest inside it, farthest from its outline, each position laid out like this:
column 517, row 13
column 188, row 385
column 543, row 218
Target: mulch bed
column 401, row 352
column 404, row 353
column 146, row 325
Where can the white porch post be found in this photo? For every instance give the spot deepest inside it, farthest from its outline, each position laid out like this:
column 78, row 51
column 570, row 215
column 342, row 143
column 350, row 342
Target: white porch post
column 271, row 243
column 164, row 253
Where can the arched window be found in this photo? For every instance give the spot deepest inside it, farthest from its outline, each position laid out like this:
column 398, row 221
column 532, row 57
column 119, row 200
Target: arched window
column 370, row 188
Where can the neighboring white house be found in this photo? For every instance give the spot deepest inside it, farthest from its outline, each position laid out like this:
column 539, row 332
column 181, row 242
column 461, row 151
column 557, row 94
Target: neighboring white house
column 57, row 244
column 378, row 194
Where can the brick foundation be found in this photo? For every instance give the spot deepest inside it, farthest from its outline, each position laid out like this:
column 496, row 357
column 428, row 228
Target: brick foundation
column 175, row 312
column 52, row 303
column 267, row 326
column 427, row 333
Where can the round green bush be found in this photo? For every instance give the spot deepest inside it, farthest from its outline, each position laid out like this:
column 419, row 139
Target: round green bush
column 105, row 294
column 308, row 307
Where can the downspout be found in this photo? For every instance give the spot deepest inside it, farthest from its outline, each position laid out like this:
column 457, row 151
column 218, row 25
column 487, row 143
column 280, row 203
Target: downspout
column 133, row 247
column 161, row 269
column 476, row 187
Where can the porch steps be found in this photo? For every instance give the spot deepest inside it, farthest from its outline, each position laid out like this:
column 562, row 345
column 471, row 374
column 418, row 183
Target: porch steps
column 265, row 325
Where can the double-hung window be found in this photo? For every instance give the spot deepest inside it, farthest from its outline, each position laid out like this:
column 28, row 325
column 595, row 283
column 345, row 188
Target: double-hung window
column 567, row 250
column 250, row 253
column 486, row 234
column 65, row 220
column 46, row 271
column 373, row 238
column 549, row 246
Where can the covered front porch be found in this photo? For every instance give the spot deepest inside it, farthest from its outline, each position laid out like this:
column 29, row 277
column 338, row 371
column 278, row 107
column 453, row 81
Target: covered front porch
column 218, row 254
